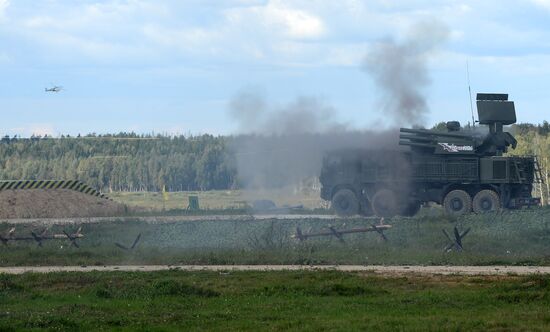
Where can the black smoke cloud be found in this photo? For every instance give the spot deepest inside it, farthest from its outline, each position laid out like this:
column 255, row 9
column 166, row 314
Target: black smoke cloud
column 400, row 71
column 283, row 145
column 280, row 145
column 305, row 115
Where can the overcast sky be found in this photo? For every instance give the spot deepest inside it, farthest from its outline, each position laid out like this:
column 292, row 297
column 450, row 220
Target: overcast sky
column 174, row 66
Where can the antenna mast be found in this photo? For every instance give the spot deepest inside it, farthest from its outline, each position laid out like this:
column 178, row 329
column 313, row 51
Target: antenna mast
column 470, row 92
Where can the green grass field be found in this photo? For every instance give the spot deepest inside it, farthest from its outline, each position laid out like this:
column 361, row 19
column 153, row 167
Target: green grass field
column 510, row 238
column 299, row 300
column 278, row 301
column 216, row 199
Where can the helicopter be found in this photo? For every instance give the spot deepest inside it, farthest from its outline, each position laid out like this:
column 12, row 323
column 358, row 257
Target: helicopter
column 54, row 88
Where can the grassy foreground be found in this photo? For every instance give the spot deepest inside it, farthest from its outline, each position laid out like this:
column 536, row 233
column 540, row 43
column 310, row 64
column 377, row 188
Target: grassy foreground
column 511, row 238
column 310, row 301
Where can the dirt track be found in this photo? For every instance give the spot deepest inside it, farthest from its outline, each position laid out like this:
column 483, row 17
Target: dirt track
column 54, row 203
column 161, row 219
column 379, row 269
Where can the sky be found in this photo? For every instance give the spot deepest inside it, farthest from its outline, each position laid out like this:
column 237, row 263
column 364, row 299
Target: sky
column 175, row 66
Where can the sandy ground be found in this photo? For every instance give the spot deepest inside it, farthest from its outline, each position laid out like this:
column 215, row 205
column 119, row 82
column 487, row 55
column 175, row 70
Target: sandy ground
column 54, row 203
column 163, row 219
column 379, row 269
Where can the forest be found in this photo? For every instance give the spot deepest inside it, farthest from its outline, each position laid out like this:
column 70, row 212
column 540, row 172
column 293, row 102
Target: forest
column 132, row 162
column 122, row 162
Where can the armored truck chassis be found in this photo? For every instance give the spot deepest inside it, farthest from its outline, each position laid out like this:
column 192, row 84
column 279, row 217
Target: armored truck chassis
column 462, row 170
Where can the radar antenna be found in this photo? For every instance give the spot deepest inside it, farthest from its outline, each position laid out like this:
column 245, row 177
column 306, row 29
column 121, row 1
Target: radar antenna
column 470, row 92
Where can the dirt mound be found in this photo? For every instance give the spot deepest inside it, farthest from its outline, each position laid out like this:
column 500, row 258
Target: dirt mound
column 59, row 203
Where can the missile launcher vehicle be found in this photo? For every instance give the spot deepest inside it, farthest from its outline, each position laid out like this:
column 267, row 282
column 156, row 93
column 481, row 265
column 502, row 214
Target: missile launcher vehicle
column 464, row 170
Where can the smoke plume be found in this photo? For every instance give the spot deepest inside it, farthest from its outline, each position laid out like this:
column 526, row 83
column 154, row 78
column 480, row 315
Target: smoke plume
column 399, row 71
column 283, row 145
column 280, row 145
column 305, row 115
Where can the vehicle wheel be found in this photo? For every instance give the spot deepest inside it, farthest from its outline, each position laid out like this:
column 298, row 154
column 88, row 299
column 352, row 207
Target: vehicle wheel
column 366, row 208
column 411, row 209
column 486, row 201
column 384, row 203
column 457, row 203
column 345, row 203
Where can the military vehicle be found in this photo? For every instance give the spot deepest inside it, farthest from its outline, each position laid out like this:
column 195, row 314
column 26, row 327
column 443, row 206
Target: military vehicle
column 464, row 170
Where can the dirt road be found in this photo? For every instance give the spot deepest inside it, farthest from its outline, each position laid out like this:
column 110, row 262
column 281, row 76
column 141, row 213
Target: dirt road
column 379, row 269
column 162, row 219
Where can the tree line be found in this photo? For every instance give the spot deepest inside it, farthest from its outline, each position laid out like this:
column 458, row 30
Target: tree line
column 123, row 162
column 131, row 162
column 534, row 140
